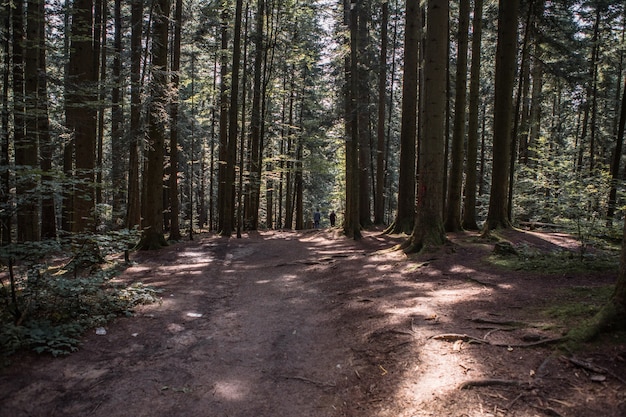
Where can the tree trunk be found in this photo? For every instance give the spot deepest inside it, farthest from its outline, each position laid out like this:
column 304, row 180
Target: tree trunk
column 26, row 148
column 617, row 157
column 506, row 52
column 5, row 176
column 174, row 206
column 363, row 113
column 117, row 118
column 152, row 226
column 252, row 208
column 223, row 124
column 233, row 128
column 379, row 195
column 455, row 186
column 81, row 114
column 469, row 207
column 352, row 227
column 46, row 145
column 99, row 57
column 133, row 210
column 428, row 231
column 405, row 216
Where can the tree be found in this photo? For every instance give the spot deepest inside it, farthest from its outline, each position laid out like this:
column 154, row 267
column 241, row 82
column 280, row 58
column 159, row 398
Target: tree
column 469, row 204
column 254, row 188
column 46, row 144
column 379, row 195
column 428, row 231
column 81, row 114
column 506, row 63
column 352, row 227
column 117, row 117
column 152, row 226
column 455, row 186
column 405, row 215
column 174, row 206
column 26, row 141
column 133, row 204
column 5, row 174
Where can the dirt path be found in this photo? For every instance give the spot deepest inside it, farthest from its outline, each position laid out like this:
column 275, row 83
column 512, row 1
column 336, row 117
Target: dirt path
column 288, row 324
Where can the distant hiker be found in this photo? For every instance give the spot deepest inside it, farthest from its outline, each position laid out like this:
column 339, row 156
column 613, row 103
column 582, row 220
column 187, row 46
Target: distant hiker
column 317, row 216
column 333, row 218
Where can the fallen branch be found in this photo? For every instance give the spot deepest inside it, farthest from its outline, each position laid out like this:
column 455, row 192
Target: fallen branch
column 491, row 382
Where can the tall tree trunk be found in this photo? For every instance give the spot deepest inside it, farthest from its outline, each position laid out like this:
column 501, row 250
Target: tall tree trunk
column 405, row 216
column 455, row 186
column 81, row 114
column 619, row 140
column 5, row 178
column 352, row 227
column 252, row 208
column 152, row 226
column 233, row 128
column 428, row 231
column 46, row 145
column 379, row 195
column 617, row 156
column 117, row 117
column 99, row 56
column 133, row 210
column 174, row 206
column 506, row 52
column 469, row 207
column 363, row 113
column 223, row 124
column 27, row 148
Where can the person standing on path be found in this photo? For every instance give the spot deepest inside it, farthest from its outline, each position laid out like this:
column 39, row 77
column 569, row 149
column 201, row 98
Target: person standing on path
column 332, row 217
column 317, row 216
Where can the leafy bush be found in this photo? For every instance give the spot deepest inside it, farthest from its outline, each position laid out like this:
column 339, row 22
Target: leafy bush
column 48, row 302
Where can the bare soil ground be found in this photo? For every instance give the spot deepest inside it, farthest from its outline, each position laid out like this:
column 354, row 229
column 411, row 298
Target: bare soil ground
column 314, row 324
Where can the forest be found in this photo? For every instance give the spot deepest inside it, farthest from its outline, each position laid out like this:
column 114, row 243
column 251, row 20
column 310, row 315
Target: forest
column 128, row 125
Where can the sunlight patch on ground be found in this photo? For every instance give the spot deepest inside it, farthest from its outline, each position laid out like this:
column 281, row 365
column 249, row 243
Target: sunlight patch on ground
column 234, row 390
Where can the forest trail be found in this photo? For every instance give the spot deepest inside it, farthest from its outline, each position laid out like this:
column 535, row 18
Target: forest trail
column 313, row 324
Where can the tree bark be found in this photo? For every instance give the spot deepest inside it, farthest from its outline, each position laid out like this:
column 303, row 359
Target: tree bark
column 428, row 231
column 405, row 216
column 27, row 147
column 152, row 226
column 5, row 175
column 469, row 207
column 81, row 114
column 117, row 118
column 254, row 188
column 379, row 195
column 174, row 206
column 133, row 210
column 506, row 52
column 455, row 186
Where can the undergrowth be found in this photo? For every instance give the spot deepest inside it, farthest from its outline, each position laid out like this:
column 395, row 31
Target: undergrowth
column 557, row 262
column 52, row 292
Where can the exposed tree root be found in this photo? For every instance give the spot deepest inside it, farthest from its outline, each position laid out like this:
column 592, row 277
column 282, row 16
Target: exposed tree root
column 453, row 337
column 491, row 382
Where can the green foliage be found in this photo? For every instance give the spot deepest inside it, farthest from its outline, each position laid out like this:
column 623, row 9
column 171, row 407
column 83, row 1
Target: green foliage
column 557, row 262
column 48, row 303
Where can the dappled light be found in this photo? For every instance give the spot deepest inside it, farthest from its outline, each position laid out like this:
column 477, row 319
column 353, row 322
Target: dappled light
column 298, row 324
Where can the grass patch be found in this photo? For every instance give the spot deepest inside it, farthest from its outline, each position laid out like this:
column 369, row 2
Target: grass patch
column 575, row 305
column 558, row 262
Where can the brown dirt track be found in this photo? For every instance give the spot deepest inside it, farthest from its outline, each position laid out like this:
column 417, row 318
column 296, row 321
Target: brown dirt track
column 314, row 324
